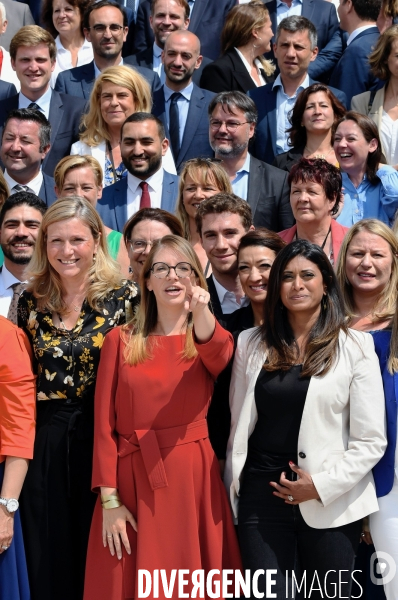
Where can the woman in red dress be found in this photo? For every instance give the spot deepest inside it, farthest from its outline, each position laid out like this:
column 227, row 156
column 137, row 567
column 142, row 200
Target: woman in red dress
column 163, row 502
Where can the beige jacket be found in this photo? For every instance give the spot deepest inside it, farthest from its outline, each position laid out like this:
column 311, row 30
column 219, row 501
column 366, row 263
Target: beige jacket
column 360, row 103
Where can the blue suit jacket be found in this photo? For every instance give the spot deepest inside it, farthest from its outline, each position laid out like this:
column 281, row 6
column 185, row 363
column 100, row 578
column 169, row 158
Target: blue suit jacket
column 208, row 17
column 80, row 80
column 383, row 472
column 64, row 115
column 195, row 141
column 352, row 73
column 112, row 207
column 264, row 145
column 47, row 193
column 7, row 90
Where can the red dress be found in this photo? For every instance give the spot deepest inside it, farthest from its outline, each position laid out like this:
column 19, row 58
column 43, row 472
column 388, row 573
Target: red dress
column 170, row 480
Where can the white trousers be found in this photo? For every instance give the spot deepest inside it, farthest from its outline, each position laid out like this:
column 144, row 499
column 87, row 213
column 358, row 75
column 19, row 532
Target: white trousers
column 384, row 530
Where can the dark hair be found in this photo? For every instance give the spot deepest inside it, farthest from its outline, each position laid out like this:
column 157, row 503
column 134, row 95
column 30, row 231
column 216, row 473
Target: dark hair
column 295, row 23
column 223, row 202
column 152, row 214
column 297, row 131
column 47, row 14
column 231, row 100
column 323, row 339
column 31, row 114
column 140, row 117
column 183, row 3
column 20, row 199
column 321, row 172
column 367, row 10
column 261, row 237
column 369, row 132
column 97, row 5
column 380, row 53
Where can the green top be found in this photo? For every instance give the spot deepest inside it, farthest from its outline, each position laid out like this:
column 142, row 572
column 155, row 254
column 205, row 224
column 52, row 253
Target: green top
column 114, row 238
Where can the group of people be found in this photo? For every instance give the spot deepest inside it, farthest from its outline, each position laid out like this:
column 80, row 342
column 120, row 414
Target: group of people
column 198, row 296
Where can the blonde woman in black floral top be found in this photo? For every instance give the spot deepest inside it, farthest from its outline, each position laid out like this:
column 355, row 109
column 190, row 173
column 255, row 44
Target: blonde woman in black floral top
column 74, row 297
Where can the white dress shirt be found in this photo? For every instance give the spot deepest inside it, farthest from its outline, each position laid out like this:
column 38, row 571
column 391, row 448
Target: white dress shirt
column 283, row 10
column 34, row 184
column 249, row 69
column 183, row 106
column 284, row 104
column 134, row 192
column 7, row 280
column 389, row 139
column 64, row 58
column 43, row 102
column 157, row 62
column 227, row 299
column 356, row 32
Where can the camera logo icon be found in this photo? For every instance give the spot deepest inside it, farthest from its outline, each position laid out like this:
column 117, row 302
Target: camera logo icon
column 383, row 571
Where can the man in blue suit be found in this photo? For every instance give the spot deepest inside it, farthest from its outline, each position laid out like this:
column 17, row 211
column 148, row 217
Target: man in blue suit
column 7, row 90
column 295, row 49
column 207, row 21
column 352, row 74
column 180, row 104
column 33, row 54
column 106, row 27
column 25, row 144
column 143, row 143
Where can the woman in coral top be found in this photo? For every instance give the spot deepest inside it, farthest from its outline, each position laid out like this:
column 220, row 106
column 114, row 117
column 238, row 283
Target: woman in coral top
column 163, row 502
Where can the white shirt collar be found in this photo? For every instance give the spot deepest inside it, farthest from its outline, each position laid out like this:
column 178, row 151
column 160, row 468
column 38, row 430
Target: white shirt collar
column 155, row 181
column 43, row 101
column 8, row 278
column 246, row 165
column 356, row 32
column 60, row 48
column 156, row 50
column 35, row 183
column 303, row 85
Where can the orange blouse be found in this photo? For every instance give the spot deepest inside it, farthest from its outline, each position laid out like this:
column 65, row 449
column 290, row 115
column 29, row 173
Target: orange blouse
column 17, row 393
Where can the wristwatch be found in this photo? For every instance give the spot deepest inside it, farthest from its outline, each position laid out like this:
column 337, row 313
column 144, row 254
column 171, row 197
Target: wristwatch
column 11, row 504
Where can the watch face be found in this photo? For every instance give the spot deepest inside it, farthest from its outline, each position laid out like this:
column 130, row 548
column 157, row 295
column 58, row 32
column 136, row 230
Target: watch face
column 12, row 505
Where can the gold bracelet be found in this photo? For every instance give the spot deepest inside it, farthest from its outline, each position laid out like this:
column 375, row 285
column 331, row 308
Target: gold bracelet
column 111, row 504
column 106, row 497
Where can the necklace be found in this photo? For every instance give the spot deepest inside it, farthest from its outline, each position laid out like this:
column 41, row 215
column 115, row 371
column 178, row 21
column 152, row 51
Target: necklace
column 324, row 241
column 323, row 156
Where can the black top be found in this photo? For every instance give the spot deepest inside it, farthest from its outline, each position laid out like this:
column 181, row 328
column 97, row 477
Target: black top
column 280, row 399
column 286, row 160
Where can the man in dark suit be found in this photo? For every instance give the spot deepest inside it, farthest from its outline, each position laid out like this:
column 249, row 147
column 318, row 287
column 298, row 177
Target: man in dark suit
column 352, row 74
column 143, row 143
column 18, row 15
column 180, row 104
column 106, row 27
column 33, row 54
column 166, row 17
column 25, row 144
column 207, row 21
column 233, row 118
column 295, row 49
column 7, row 90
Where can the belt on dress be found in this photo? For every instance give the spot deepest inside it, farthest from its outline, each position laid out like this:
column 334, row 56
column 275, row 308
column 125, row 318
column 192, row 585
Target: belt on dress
column 149, row 442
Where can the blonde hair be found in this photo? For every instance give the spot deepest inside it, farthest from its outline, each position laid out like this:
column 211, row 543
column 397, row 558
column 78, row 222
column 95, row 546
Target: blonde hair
column 45, row 283
column 33, row 35
column 4, row 191
column 68, row 163
column 136, row 333
column 93, row 124
column 379, row 57
column 387, row 303
column 200, row 170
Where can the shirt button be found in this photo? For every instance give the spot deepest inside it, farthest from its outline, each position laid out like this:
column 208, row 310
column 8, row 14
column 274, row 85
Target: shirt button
column 68, row 401
column 302, row 455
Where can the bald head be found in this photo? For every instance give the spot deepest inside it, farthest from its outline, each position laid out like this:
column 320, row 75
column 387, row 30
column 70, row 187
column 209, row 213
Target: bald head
column 181, row 56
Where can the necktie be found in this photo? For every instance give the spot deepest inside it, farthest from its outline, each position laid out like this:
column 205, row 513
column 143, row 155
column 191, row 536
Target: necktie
column 34, row 106
column 145, row 201
column 20, row 188
column 175, row 124
column 17, row 289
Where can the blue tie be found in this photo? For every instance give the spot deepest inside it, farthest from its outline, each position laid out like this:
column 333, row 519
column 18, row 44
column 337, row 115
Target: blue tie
column 175, row 124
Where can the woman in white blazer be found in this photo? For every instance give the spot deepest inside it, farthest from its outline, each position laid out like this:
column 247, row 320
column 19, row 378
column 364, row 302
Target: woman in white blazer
column 307, row 426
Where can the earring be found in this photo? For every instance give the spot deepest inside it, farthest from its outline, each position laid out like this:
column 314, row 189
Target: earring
column 94, row 258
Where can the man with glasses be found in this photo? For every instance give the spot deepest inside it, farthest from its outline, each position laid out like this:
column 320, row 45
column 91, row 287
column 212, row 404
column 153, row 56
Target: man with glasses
column 106, row 27
column 233, row 118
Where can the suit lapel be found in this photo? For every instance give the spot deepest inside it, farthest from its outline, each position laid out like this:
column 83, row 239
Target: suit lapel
column 119, row 199
column 254, row 187
column 159, row 108
column 195, row 114
column 168, row 192
column 272, row 117
column 55, row 115
column 88, row 79
column 308, row 9
column 197, row 13
column 240, row 72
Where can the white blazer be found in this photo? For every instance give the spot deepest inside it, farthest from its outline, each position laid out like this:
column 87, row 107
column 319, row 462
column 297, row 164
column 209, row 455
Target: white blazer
column 342, row 431
column 99, row 152
column 7, row 72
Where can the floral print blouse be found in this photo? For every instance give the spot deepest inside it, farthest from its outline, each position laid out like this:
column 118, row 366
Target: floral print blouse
column 67, row 361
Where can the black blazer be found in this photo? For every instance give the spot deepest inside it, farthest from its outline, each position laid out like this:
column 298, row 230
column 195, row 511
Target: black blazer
column 228, row 74
column 64, row 115
column 286, row 160
column 269, row 196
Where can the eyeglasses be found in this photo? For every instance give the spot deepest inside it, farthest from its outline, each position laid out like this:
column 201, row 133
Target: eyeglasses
column 114, row 27
column 141, row 245
column 229, row 125
column 161, row 270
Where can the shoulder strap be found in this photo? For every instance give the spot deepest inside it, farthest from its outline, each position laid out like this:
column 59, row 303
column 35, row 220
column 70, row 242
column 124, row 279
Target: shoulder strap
column 371, row 99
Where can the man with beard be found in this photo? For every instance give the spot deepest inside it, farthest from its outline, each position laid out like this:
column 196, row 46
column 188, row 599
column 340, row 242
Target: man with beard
column 20, row 219
column 180, row 104
column 143, row 143
column 233, row 118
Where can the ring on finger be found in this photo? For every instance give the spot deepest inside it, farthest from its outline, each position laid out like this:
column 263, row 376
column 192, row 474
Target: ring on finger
column 290, row 498
column 109, row 537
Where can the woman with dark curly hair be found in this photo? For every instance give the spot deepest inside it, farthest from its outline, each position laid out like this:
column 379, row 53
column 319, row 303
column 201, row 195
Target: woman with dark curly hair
column 313, row 115
column 64, row 20
column 315, row 198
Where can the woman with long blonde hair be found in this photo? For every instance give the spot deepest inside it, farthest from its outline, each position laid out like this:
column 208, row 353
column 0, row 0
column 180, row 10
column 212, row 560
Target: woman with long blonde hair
column 74, row 296
column 169, row 508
